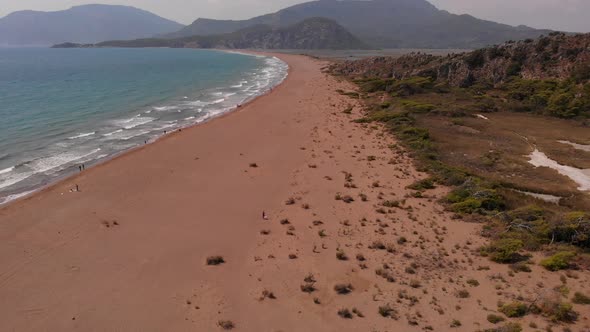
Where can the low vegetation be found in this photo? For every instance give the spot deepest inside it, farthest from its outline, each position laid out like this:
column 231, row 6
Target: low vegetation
column 560, row 261
column 413, row 103
column 215, row 260
column 514, row 309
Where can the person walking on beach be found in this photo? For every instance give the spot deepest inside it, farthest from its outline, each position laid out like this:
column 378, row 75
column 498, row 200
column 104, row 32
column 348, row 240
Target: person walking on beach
column 77, row 188
column 264, row 216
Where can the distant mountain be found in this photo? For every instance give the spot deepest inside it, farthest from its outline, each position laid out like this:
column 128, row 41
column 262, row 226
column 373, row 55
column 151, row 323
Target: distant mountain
column 81, row 24
column 312, row 33
column 382, row 23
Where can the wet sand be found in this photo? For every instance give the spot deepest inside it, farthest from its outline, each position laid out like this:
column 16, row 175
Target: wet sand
column 128, row 252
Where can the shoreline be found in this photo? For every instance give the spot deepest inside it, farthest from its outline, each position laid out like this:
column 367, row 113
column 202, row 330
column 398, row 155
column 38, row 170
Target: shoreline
column 70, row 176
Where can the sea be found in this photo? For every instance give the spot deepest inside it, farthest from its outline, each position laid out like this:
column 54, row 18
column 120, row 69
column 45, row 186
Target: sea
column 61, row 108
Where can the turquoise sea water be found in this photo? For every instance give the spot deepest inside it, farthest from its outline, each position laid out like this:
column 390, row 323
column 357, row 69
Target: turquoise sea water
column 63, row 107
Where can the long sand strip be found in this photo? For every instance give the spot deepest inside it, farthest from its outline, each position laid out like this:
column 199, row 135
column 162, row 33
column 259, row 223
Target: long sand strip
column 346, row 247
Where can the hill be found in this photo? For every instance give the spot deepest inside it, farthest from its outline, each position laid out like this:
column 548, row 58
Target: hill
column 313, row 33
column 382, row 23
column 557, row 56
column 506, row 127
column 81, row 24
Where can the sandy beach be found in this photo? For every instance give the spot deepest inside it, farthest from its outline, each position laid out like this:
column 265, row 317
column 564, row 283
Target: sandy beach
column 128, row 252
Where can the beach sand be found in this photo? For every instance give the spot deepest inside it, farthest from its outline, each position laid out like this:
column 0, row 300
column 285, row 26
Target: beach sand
column 128, row 252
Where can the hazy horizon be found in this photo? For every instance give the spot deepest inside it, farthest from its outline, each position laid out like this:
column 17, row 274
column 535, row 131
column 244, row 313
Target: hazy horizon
column 564, row 15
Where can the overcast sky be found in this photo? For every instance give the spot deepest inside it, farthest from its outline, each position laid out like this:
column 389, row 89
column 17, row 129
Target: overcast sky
column 568, row 15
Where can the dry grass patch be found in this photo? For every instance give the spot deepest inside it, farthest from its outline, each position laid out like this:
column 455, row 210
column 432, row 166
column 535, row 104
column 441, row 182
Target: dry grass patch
column 345, row 313
column 226, row 324
column 343, row 288
column 341, row 255
column 215, row 260
column 388, row 311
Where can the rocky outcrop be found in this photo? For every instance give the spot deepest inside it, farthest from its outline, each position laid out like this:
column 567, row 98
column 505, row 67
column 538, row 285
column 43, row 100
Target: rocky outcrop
column 557, row 56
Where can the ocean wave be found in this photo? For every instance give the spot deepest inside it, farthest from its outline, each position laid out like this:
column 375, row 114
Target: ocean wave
column 13, row 178
column 6, row 170
column 82, row 135
column 133, row 122
column 9, row 198
column 165, row 108
column 113, row 133
column 205, row 103
column 132, row 134
column 43, row 165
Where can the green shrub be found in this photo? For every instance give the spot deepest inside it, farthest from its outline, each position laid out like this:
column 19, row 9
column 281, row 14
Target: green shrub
column 377, row 84
column 559, row 261
column 514, row 309
column 412, row 86
column 580, row 298
column 423, row 184
column 564, row 312
column 509, row 327
column 514, row 69
column 469, row 206
column 495, row 319
column 476, row 59
column 573, row 228
column 505, row 250
column 417, row 107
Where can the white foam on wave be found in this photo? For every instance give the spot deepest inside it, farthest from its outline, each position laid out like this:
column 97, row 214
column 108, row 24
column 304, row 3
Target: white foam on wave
column 205, row 103
column 133, row 122
column 165, row 108
column 43, row 165
column 131, row 134
column 10, row 198
column 113, row 133
column 81, row 135
column 6, row 170
column 11, row 178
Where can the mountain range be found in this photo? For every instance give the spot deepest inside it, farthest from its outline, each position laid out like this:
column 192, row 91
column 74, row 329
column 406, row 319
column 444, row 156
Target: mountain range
column 311, row 33
column 81, row 24
column 382, row 24
column 376, row 23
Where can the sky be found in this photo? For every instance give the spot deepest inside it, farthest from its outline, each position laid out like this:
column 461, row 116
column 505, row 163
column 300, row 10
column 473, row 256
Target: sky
column 564, row 15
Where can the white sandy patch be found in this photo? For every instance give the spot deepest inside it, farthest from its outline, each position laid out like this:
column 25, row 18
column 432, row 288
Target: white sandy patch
column 580, row 176
column 482, row 116
column 577, row 146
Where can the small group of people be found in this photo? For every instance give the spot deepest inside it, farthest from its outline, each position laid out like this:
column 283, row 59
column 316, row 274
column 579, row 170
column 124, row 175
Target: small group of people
column 81, row 167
